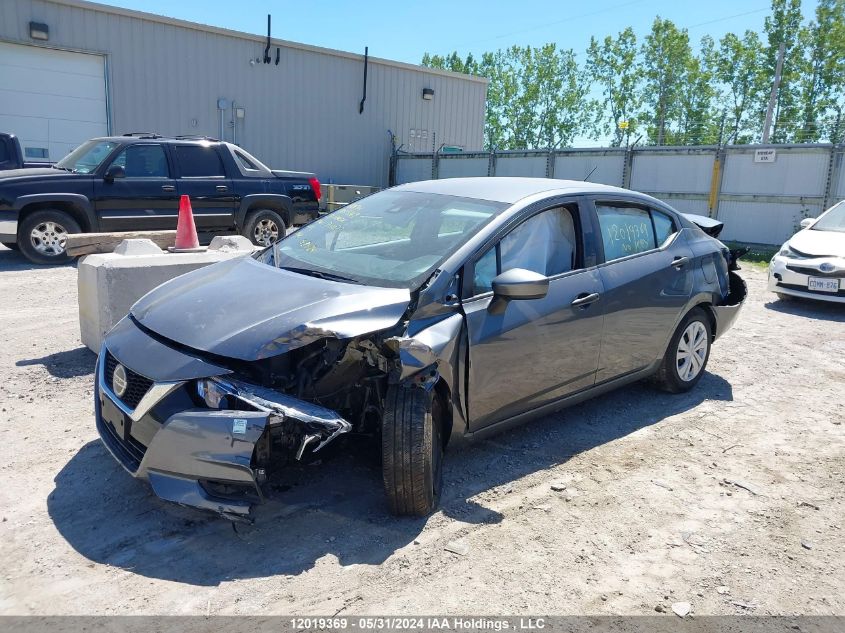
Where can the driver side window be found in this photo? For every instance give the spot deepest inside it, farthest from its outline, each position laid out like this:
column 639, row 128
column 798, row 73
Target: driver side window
column 545, row 243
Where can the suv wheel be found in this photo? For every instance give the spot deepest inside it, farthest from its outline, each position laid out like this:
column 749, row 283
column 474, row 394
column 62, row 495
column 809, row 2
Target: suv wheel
column 412, row 450
column 687, row 355
column 263, row 227
column 42, row 236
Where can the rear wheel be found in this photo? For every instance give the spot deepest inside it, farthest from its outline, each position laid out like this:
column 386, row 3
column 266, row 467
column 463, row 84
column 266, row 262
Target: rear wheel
column 42, row 236
column 686, row 357
column 412, row 450
column 264, row 227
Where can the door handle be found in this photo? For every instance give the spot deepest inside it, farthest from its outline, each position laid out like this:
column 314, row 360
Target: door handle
column 222, row 188
column 583, row 300
column 168, row 188
column 679, row 262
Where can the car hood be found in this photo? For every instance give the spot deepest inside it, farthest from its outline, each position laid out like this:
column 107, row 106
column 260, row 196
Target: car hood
column 819, row 243
column 247, row 310
column 32, row 172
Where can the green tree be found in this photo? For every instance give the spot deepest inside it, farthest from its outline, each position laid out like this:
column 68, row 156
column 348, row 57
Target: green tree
column 666, row 57
column 822, row 82
column 614, row 66
column 737, row 67
column 784, row 26
column 699, row 122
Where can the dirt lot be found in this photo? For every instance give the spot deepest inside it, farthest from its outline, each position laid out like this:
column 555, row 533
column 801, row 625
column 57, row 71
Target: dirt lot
column 647, row 518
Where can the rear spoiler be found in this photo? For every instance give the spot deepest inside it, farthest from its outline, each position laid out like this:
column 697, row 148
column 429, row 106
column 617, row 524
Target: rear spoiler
column 710, row 226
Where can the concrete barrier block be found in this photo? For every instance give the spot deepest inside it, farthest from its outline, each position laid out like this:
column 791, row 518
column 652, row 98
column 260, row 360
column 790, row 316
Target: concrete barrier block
column 110, row 283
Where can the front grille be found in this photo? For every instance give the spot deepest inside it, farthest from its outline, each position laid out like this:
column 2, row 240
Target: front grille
column 841, row 292
column 136, row 385
column 814, row 272
column 130, row 452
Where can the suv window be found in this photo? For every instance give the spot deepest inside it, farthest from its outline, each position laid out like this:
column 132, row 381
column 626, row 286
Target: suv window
column 625, row 231
column 198, row 161
column 143, row 161
column 244, row 162
column 545, row 243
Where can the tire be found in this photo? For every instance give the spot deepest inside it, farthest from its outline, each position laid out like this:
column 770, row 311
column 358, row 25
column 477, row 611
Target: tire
column 42, row 236
column 10, row 245
column 412, row 451
column 679, row 372
column 263, row 227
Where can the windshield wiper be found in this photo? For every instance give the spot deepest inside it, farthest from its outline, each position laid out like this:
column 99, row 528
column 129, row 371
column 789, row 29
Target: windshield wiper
column 319, row 274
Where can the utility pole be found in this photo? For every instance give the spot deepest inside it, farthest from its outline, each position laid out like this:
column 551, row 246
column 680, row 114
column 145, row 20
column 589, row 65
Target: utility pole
column 773, row 97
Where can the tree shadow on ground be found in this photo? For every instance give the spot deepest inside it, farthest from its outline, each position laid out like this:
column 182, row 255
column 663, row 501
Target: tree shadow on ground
column 67, row 364
column 334, row 506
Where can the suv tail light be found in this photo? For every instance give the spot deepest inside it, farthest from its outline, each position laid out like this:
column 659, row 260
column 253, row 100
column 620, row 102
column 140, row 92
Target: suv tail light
column 315, row 186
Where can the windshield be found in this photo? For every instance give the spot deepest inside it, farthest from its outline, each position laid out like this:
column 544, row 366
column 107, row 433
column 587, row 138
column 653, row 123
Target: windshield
column 833, row 220
column 87, row 157
column 392, row 238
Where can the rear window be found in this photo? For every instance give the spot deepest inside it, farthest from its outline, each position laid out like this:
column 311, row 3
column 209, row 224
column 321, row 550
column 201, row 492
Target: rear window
column 198, row 161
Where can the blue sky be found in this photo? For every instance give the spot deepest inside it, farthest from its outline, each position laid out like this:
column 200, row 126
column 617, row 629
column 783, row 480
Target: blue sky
column 403, row 31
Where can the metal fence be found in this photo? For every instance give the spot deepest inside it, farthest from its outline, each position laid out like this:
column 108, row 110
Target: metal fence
column 759, row 202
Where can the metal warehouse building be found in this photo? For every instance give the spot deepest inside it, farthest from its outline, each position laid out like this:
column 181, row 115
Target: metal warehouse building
column 71, row 70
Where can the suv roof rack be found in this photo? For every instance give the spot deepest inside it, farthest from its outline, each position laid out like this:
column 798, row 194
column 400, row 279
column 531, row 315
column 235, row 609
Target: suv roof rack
column 143, row 134
column 196, row 137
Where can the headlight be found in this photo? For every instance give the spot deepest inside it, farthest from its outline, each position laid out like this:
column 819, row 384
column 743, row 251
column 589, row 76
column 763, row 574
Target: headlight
column 212, row 393
column 786, row 251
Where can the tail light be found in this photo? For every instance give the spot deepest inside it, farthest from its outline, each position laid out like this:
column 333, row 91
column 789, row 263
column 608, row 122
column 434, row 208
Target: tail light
column 315, row 186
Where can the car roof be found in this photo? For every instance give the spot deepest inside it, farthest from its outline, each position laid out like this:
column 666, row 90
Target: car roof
column 507, row 189
column 150, row 136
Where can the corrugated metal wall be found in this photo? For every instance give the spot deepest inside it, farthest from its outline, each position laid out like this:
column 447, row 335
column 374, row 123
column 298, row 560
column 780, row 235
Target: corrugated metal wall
column 760, row 203
column 166, row 77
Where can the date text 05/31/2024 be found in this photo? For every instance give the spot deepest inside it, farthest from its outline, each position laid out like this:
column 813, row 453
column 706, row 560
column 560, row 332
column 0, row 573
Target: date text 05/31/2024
column 433, row 623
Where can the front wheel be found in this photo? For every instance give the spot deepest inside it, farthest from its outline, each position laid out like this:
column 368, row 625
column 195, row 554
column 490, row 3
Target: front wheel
column 685, row 359
column 264, row 227
column 42, row 236
column 412, row 450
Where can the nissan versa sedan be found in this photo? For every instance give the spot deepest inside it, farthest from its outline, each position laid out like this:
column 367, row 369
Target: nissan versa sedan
column 425, row 314
column 811, row 264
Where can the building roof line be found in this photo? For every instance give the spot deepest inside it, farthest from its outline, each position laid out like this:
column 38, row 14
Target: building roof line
column 152, row 17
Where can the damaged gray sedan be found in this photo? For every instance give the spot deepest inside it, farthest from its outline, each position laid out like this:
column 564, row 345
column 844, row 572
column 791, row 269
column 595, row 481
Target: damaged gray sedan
column 422, row 315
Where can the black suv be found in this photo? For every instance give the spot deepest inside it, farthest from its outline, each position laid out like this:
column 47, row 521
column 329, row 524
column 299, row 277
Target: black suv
column 133, row 183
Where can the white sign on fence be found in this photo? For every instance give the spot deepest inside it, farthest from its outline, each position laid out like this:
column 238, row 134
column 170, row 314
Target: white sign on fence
column 765, row 155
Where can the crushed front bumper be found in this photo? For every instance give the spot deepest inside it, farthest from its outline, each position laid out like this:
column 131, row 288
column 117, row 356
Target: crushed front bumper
column 212, row 459
column 791, row 276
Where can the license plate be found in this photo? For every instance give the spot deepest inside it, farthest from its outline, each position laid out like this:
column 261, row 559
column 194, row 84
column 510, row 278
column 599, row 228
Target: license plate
column 822, row 284
column 115, row 418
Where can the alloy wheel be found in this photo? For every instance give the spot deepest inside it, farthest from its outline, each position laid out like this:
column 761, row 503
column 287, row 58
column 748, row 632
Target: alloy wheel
column 266, row 232
column 692, row 351
column 49, row 238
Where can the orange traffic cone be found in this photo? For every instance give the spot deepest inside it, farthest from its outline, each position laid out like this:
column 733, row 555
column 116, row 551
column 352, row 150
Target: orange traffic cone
column 186, row 230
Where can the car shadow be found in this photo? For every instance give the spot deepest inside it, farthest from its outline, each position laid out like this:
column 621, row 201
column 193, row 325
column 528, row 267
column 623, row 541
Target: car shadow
column 12, row 261
column 67, row 364
column 334, row 506
column 809, row 308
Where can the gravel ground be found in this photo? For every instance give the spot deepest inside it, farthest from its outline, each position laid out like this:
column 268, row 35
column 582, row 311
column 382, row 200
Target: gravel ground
column 729, row 498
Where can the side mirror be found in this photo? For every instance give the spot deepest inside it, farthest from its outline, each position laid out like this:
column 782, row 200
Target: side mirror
column 115, row 171
column 517, row 284
column 807, row 222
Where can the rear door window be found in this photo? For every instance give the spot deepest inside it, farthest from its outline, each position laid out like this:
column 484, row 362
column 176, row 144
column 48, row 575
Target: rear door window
column 625, row 231
column 198, row 161
column 664, row 226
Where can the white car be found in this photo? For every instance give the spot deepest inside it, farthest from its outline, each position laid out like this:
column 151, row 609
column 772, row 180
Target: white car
column 811, row 264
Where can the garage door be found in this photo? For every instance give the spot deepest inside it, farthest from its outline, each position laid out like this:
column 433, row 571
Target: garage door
column 52, row 100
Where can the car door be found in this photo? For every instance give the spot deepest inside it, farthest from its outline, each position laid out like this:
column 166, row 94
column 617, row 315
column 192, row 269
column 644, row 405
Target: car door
column 535, row 351
column 647, row 274
column 144, row 198
column 202, row 177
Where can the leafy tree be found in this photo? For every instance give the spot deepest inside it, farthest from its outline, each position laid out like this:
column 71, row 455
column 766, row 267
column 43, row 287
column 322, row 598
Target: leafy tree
column 699, row 122
column 784, row 26
column 614, row 66
column 666, row 57
column 822, row 82
column 737, row 67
